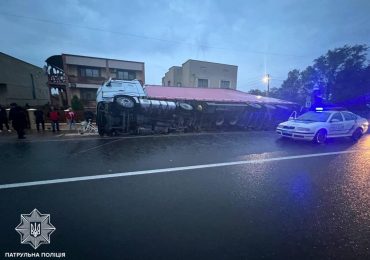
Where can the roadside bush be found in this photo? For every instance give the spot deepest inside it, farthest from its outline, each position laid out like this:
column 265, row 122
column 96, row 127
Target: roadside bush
column 76, row 104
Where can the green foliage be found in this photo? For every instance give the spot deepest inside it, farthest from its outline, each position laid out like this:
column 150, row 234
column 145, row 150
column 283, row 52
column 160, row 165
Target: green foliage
column 76, row 104
column 341, row 74
column 257, row 92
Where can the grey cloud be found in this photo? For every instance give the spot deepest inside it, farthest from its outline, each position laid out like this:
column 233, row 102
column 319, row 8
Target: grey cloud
column 279, row 35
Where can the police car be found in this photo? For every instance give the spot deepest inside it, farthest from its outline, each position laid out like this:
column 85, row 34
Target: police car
column 320, row 124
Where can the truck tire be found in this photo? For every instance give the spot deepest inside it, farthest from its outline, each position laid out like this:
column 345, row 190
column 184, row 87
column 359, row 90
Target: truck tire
column 126, row 101
column 220, row 121
column 100, row 119
column 234, row 120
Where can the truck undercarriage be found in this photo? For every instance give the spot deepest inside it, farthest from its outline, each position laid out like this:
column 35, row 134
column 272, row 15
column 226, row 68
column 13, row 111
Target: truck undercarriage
column 123, row 111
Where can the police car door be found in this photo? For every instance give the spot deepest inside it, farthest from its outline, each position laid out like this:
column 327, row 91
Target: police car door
column 349, row 122
column 336, row 124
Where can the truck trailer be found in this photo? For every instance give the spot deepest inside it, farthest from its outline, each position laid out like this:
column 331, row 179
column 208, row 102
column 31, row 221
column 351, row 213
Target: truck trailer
column 128, row 107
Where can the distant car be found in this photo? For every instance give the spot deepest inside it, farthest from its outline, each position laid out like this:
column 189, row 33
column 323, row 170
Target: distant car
column 319, row 125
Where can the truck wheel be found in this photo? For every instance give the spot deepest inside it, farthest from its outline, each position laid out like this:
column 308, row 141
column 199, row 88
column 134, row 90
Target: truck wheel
column 126, row 102
column 234, row 120
column 101, row 130
column 100, row 118
column 220, row 121
column 186, row 106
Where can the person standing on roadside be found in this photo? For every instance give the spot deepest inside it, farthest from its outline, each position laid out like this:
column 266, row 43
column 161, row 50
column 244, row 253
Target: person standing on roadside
column 71, row 118
column 3, row 119
column 54, row 117
column 39, row 116
column 19, row 119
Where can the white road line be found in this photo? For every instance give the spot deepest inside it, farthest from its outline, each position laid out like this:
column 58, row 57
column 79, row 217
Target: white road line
column 184, row 168
column 98, row 146
column 90, row 138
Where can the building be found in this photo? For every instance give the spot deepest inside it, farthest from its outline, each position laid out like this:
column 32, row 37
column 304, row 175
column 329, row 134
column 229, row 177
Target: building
column 202, row 74
column 22, row 82
column 75, row 75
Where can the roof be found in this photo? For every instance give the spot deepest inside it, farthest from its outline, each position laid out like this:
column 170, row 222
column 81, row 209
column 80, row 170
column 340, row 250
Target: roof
column 201, row 61
column 25, row 62
column 100, row 58
column 208, row 95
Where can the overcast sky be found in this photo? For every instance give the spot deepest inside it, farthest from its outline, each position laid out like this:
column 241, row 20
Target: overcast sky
column 258, row 36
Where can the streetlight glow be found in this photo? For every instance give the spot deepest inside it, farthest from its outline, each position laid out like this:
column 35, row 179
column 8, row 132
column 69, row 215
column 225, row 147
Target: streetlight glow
column 266, row 79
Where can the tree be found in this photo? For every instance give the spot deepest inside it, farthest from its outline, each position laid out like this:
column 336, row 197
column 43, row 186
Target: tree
column 76, row 103
column 341, row 75
column 338, row 68
column 290, row 88
column 257, row 92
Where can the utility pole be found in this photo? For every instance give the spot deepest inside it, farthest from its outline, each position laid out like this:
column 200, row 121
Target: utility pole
column 266, row 79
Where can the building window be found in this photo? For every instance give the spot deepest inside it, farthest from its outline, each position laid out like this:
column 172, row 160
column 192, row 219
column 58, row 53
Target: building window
column 88, row 94
column 126, row 75
column 202, row 83
column 225, row 84
column 90, row 72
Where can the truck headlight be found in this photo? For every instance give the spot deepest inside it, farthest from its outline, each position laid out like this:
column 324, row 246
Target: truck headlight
column 303, row 129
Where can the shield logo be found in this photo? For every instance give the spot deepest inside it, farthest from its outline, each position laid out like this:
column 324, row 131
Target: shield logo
column 35, row 229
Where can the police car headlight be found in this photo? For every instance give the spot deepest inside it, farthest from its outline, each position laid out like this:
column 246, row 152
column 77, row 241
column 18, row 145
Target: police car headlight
column 303, row 129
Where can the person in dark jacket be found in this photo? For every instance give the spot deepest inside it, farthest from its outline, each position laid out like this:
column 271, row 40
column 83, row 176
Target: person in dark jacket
column 39, row 116
column 19, row 119
column 3, row 119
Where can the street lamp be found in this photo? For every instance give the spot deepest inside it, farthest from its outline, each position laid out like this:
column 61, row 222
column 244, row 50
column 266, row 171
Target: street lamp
column 266, row 79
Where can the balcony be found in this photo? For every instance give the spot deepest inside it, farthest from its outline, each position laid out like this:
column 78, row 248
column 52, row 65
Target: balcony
column 86, row 80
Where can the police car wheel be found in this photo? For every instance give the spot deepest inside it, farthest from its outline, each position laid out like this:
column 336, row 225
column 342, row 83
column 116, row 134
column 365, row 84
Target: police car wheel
column 357, row 134
column 321, row 136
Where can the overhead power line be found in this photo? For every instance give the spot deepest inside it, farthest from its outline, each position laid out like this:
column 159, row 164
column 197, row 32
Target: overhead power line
column 140, row 36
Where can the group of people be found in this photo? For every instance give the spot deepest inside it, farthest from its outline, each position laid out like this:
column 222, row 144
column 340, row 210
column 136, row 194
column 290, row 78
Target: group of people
column 54, row 118
column 18, row 117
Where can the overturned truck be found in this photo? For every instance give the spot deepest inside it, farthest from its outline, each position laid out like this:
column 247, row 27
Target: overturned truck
column 127, row 107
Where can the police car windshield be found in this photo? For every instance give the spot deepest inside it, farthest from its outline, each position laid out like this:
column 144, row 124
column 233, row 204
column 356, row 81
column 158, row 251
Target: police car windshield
column 314, row 116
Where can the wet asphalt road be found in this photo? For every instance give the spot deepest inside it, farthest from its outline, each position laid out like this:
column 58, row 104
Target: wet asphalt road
column 315, row 207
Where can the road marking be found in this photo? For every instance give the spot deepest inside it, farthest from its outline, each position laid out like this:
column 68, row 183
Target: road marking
column 89, row 137
column 174, row 169
column 98, row 146
column 82, row 134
